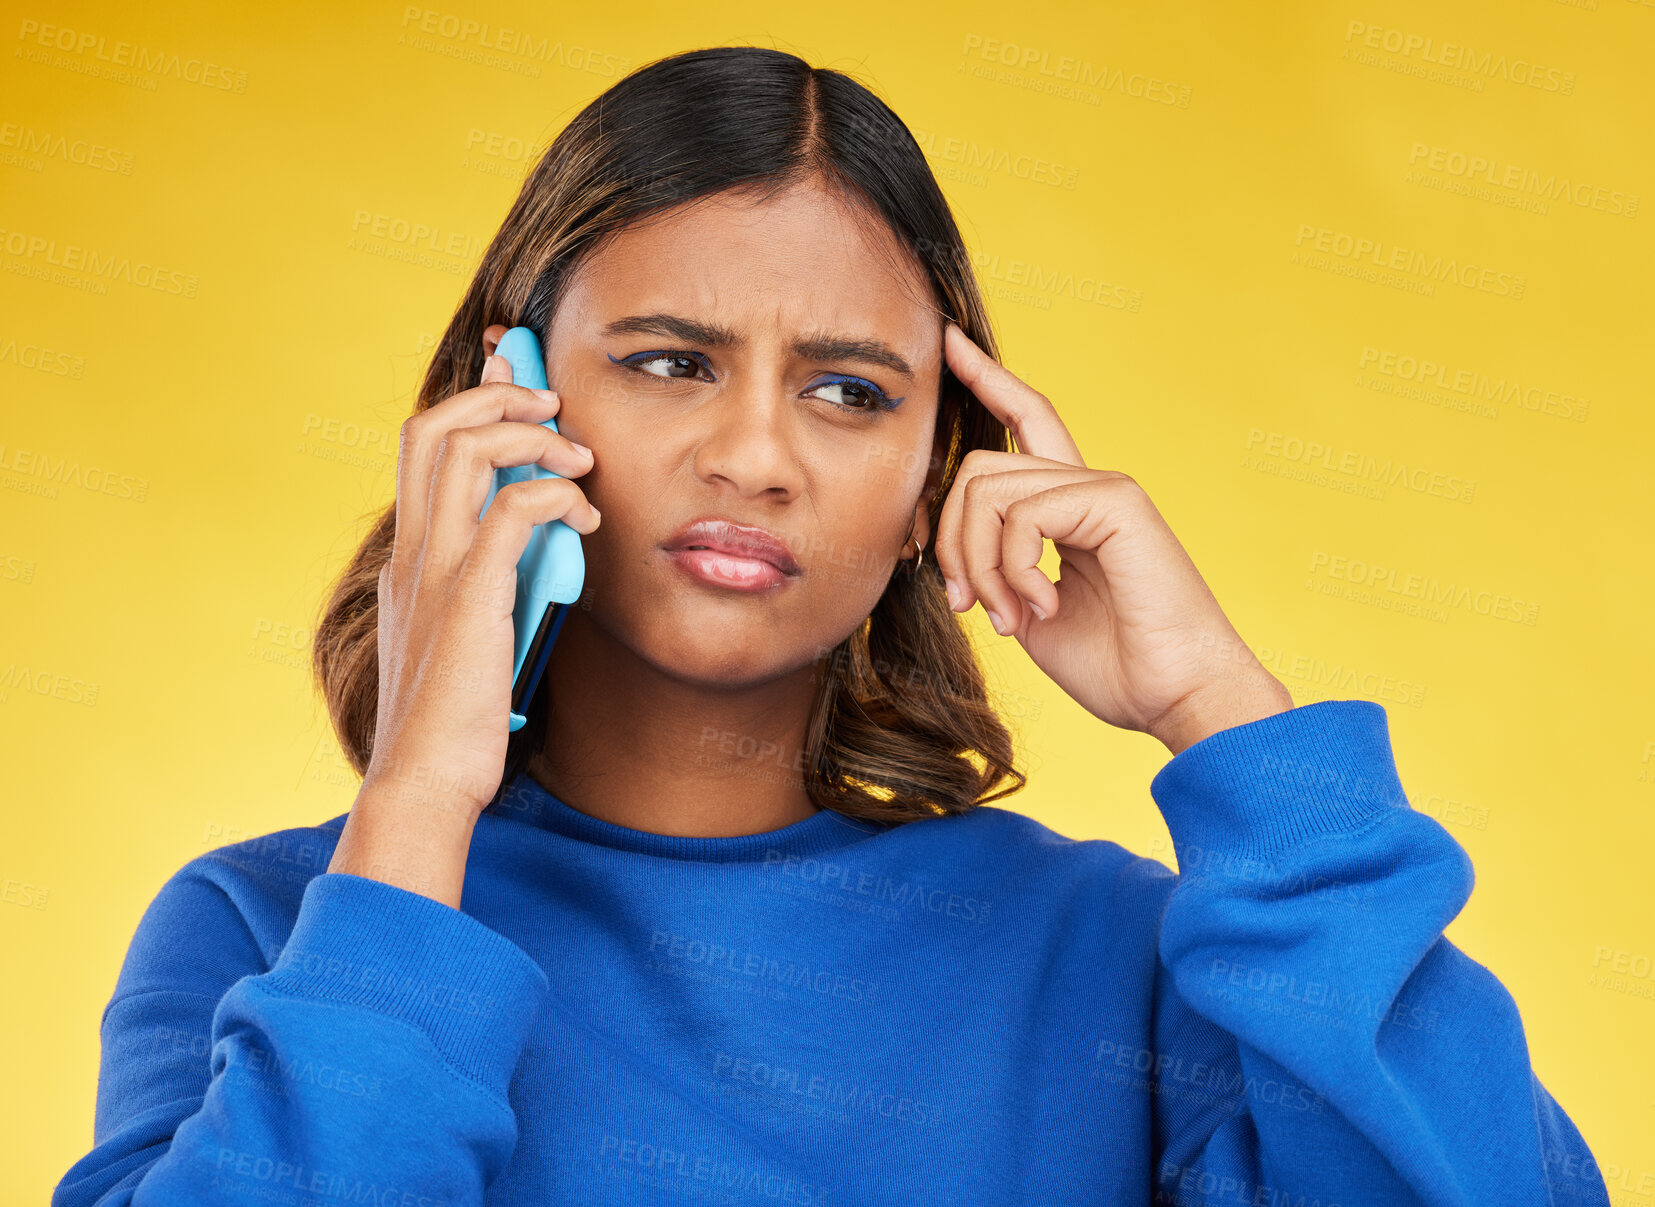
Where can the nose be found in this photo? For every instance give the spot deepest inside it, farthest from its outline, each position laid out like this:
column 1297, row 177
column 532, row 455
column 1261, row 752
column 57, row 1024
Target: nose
column 749, row 442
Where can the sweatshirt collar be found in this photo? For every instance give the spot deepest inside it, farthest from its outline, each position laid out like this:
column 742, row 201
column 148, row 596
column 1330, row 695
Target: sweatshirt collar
column 527, row 801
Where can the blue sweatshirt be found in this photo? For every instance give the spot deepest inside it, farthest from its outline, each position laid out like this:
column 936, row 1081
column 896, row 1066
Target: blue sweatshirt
column 969, row 1009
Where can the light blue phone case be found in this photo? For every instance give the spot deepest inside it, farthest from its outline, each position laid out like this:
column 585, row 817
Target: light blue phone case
column 552, row 570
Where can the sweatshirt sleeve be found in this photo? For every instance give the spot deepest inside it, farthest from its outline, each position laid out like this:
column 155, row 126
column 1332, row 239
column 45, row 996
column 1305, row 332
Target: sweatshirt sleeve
column 1319, row 1041
column 369, row 1064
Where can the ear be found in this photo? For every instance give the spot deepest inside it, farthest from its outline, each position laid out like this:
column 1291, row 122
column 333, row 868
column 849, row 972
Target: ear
column 933, row 478
column 492, row 337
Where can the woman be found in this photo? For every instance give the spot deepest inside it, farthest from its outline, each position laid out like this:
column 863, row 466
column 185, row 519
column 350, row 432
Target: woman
column 738, row 922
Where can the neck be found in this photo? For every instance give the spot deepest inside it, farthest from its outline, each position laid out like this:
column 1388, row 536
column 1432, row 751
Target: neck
column 632, row 745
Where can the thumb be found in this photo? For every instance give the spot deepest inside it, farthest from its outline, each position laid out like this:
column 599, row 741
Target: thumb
column 495, row 368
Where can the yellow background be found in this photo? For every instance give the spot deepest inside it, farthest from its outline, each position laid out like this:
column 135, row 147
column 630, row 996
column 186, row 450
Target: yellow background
column 156, row 702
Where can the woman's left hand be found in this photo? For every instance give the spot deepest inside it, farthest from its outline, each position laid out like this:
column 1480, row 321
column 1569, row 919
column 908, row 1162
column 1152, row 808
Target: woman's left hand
column 1130, row 630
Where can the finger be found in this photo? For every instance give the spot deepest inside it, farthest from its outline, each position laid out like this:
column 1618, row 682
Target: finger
column 947, row 545
column 464, row 471
column 421, row 434
column 1029, row 414
column 991, row 500
column 1054, row 514
column 488, row 573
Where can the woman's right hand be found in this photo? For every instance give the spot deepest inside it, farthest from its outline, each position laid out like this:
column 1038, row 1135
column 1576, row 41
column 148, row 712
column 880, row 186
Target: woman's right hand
column 446, row 642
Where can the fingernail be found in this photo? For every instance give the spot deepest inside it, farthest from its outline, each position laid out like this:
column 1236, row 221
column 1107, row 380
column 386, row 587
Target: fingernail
column 953, row 595
column 1037, row 609
column 582, row 448
column 546, row 395
column 994, row 619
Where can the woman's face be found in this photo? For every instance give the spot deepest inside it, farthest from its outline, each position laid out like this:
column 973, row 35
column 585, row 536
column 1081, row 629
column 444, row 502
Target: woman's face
column 773, row 364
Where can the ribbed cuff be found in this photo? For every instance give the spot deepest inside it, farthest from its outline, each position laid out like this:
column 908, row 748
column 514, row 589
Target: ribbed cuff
column 474, row 992
column 1256, row 790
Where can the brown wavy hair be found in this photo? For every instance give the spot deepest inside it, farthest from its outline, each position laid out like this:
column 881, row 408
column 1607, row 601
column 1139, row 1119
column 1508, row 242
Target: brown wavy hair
column 901, row 726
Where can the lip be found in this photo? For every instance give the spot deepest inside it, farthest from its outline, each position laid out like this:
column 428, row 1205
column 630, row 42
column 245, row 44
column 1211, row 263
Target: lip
column 725, row 553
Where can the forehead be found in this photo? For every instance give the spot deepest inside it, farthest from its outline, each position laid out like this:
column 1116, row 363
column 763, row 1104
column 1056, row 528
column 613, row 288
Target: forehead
column 801, row 259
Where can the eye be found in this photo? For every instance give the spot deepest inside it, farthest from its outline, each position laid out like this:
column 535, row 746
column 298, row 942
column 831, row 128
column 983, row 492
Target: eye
column 690, row 361
column 858, row 394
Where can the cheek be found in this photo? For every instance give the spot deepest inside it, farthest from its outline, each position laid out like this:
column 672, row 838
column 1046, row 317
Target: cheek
column 895, row 471
column 615, row 483
column 630, row 501
column 599, row 408
column 579, row 419
column 856, row 547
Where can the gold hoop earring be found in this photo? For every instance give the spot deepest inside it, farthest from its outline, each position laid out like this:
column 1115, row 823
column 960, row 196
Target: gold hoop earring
column 910, row 566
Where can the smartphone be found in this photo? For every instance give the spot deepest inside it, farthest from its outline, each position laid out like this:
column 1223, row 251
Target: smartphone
column 552, row 570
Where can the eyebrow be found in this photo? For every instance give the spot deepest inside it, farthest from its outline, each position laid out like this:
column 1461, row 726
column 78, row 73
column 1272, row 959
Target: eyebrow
column 815, row 346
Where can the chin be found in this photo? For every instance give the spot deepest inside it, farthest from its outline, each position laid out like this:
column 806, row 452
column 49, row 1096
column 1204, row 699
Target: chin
column 723, row 664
